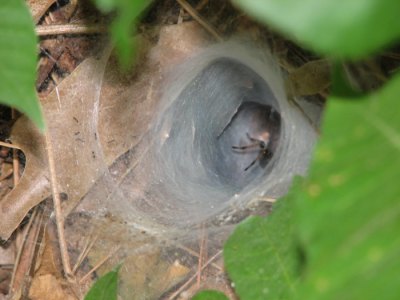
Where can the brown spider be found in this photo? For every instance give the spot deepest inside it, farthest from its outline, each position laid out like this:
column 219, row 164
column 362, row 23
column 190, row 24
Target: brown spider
column 262, row 143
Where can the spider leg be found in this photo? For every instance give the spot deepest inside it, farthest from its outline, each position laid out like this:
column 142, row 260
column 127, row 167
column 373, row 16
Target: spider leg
column 249, row 166
column 245, row 147
column 262, row 143
column 252, row 139
column 267, row 153
column 259, row 156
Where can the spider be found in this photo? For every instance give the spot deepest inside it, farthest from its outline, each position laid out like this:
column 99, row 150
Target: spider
column 261, row 143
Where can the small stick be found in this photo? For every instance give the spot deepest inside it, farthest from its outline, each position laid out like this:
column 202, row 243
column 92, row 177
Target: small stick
column 194, row 276
column 48, row 55
column 15, row 159
column 57, row 209
column 21, row 248
column 180, row 16
column 89, row 245
column 265, row 199
column 98, row 265
column 201, row 4
column 195, row 254
column 44, row 30
column 195, row 15
column 8, row 145
column 202, row 254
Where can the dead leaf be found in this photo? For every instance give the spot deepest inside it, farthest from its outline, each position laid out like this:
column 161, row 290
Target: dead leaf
column 92, row 119
column 71, row 122
column 175, row 273
column 29, row 251
column 33, row 186
column 39, row 7
column 48, row 287
column 311, row 78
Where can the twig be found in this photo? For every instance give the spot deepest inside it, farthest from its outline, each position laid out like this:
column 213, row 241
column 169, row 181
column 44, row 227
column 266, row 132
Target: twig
column 47, row 53
column 84, row 253
column 262, row 199
column 44, row 30
column 195, row 254
column 174, row 295
column 202, row 253
column 57, row 209
column 19, row 253
column 8, row 145
column 180, row 16
column 15, row 159
column 27, row 237
column 98, row 265
column 201, row 4
column 195, row 15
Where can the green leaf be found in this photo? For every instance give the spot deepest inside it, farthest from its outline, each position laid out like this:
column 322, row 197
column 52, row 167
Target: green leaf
column 106, row 6
column 123, row 26
column 106, row 287
column 260, row 256
column 341, row 86
column 348, row 29
column 210, row 295
column 348, row 210
column 18, row 54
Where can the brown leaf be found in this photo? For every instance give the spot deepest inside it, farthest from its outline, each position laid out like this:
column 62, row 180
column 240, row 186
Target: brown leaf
column 72, row 129
column 29, row 251
column 48, row 287
column 38, row 8
column 92, row 118
column 33, row 186
column 311, row 78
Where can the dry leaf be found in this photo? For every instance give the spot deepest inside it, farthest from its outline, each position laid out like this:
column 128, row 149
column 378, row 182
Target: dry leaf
column 92, row 119
column 39, row 7
column 29, row 252
column 71, row 122
column 48, row 287
column 310, row 79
